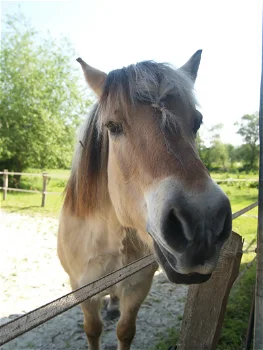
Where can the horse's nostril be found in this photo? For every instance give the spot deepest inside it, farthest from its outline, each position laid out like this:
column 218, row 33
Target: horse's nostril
column 173, row 221
column 174, row 232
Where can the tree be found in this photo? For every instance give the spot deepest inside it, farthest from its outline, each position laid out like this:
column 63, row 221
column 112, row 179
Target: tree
column 216, row 155
column 232, row 154
column 249, row 131
column 42, row 101
column 219, row 154
column 203, row 151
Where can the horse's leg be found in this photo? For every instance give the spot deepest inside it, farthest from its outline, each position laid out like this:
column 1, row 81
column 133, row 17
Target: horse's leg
column 131, row 298
column 92, row 322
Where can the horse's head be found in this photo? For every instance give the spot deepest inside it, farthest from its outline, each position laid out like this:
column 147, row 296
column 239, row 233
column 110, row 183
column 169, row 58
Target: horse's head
column 156, row 181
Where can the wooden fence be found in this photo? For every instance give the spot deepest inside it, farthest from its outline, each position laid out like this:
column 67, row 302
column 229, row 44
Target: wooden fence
column 43, row 192
column 47, row 176
column 205, row 306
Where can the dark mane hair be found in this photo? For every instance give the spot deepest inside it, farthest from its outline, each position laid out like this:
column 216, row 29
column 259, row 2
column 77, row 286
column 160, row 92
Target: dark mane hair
column 87, row 185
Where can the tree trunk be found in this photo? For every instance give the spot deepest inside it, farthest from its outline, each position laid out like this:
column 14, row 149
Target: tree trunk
column 18, row 168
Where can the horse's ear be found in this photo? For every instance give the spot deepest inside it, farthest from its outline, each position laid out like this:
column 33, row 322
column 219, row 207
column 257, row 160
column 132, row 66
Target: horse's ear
column 192, row 65
column 95, row 78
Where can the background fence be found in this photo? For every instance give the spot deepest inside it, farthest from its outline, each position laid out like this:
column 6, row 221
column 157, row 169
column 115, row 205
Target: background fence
column 43, row 192
column 46, row 177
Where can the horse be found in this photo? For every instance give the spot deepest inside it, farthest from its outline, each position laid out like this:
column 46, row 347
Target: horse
column 138, row 186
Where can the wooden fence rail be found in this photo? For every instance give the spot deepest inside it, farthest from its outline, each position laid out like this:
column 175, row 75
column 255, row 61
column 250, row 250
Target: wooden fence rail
column 199, row 296
column 54, row 176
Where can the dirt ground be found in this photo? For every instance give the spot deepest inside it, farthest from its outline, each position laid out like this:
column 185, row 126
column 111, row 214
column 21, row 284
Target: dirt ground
column 31, row 275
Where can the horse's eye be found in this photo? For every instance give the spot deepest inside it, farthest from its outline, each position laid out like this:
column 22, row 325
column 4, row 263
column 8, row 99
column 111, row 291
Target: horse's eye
column 114, row 128
column 198, row 120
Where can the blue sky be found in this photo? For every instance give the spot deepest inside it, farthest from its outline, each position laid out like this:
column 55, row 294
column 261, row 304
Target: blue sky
column 112, row 34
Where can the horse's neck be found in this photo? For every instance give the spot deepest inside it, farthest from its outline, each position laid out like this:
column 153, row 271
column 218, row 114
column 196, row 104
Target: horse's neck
column 100, row 231
column 97, row 244
column 90, row 246
column 113, row 232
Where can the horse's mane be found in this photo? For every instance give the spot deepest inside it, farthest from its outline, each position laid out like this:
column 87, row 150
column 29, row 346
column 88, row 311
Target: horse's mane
column 87, row 185
column 147, row 83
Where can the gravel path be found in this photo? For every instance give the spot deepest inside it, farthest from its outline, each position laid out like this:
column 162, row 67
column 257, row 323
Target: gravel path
column 31, row 275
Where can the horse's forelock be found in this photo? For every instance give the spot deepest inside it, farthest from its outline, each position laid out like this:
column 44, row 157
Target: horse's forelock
column 146, row 82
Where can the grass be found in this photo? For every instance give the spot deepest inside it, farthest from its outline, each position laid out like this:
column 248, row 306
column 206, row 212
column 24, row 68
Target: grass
column 237, row 313
column 236, row 175
column 240, row 194
column 30, row 204
column 165, row 343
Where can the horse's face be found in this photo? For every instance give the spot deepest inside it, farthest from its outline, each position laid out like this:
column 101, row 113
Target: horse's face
column 156, row 180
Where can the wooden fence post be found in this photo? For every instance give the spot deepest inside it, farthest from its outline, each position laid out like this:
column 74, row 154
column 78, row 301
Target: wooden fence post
column 206, row 303
column 44, row 190
column 5, row 184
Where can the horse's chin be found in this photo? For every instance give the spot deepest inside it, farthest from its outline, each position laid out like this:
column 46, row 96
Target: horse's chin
column 167, row 261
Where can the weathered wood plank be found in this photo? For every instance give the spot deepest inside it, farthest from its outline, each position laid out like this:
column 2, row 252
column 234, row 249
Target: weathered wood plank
column 44, row 190
column 206, row 303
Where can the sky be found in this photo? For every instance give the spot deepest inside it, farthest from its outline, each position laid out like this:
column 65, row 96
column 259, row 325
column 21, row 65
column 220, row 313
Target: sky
column 114, row 33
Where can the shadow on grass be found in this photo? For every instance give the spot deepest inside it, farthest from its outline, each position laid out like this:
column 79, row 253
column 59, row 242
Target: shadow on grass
column 17, row 210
